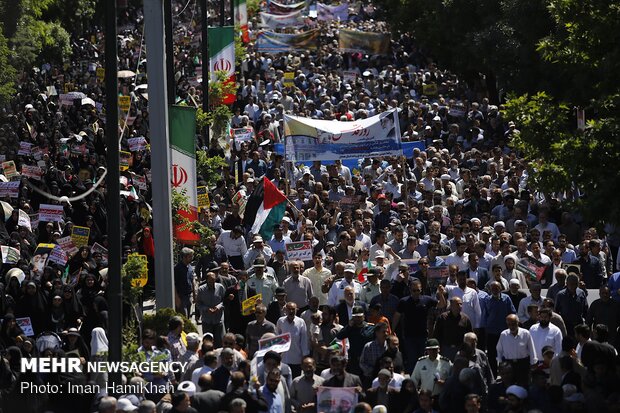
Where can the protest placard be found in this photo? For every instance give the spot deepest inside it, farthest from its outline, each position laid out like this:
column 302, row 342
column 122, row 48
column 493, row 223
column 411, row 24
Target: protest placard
column 39, row 259
column 10, row 255
column 203, row 197
column 100, row 249
column 279, row 344
column 100, row 74
column 24, row 220
column 429, row 89
column 241, row 135
column 137, row 144
column 80, row 236
column 248, row 306
column 9, row 169
column 125, row 158
column 139, row 182
column 533, row 268
column 301, row 250
column 58, row 256
column 336, row 399
column 51, row 213
column 25, row 148
column 26, row 325
column 33, row 172
column 67, row 244
column 289, row 79
column 142, row 277
column 124, row 103
column 437, row 275
column 10, row 189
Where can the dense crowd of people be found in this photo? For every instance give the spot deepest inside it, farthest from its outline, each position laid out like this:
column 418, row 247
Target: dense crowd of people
column 438, row 282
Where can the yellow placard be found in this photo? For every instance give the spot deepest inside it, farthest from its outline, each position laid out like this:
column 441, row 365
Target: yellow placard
column 69, row 87
column 288, row 78
column 125, row 157
column 100, row 74
column 124, row 103
column 142, row 278
column 80, row 235
column 248, row 306
column 203, row 197
column 430, row 89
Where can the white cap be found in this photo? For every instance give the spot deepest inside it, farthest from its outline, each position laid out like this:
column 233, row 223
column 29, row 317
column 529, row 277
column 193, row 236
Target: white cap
column 514, row 281
column 379, row 254
column 349, row 268
column 499, row 224
column 258, row 238
column 124, row 405
column 446, row 177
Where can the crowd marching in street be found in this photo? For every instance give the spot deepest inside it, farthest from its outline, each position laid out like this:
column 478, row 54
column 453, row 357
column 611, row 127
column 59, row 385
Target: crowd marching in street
column 436, row 281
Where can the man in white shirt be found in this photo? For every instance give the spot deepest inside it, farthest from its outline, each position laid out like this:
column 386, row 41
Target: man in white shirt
column 336, row 292
column 458, row 257
column 317, row 275
column 516, row 347
column 234, row 245
column 545, row 334
column 296, row 326
column 469, row 296
column 533, row 298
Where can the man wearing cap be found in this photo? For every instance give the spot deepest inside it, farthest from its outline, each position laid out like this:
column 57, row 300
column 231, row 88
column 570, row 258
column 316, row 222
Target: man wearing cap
column 262, row 282
column 258, row 249
column 336, row 292
column 515, row 346
column 431, row 370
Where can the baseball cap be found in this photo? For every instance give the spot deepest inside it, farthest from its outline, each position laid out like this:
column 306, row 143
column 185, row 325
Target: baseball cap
column 379, row 254
column 192, row 338
column 357, row 310
column 349, row 268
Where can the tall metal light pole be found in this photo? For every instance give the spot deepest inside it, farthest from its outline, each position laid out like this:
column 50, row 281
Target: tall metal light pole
column 160, row 152
column 172, row 90
column 113, row 197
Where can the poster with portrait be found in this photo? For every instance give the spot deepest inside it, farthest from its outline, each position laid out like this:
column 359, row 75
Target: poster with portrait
column 336, row 399
column 41, row 256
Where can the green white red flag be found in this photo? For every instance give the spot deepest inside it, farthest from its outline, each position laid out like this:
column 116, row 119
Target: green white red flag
column 222, row 55
column 241, row 19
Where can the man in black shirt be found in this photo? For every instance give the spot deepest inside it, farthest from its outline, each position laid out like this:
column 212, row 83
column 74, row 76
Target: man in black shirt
column 416, row 309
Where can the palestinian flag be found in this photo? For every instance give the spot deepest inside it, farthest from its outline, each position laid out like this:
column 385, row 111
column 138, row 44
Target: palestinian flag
column 241, row 19
column 361, row 276
column 265, row 209
column 222, row 55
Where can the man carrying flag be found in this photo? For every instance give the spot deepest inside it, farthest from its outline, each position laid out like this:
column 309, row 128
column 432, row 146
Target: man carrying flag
column 265, row 209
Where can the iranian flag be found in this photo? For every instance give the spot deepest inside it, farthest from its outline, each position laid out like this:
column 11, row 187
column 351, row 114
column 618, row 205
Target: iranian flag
column 182, row 122
column 361, row 276
column 241, row 19
column 265, row 208
column 222, row 55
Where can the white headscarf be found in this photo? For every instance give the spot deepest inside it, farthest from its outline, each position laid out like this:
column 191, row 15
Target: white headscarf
column 98, row 341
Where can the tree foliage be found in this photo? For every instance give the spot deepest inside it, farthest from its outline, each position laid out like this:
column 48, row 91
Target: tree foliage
column 7, row 72
column 584, row 52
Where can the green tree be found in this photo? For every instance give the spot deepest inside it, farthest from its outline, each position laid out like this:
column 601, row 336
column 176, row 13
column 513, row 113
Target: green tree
column 7, row 72
column 584, row 52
